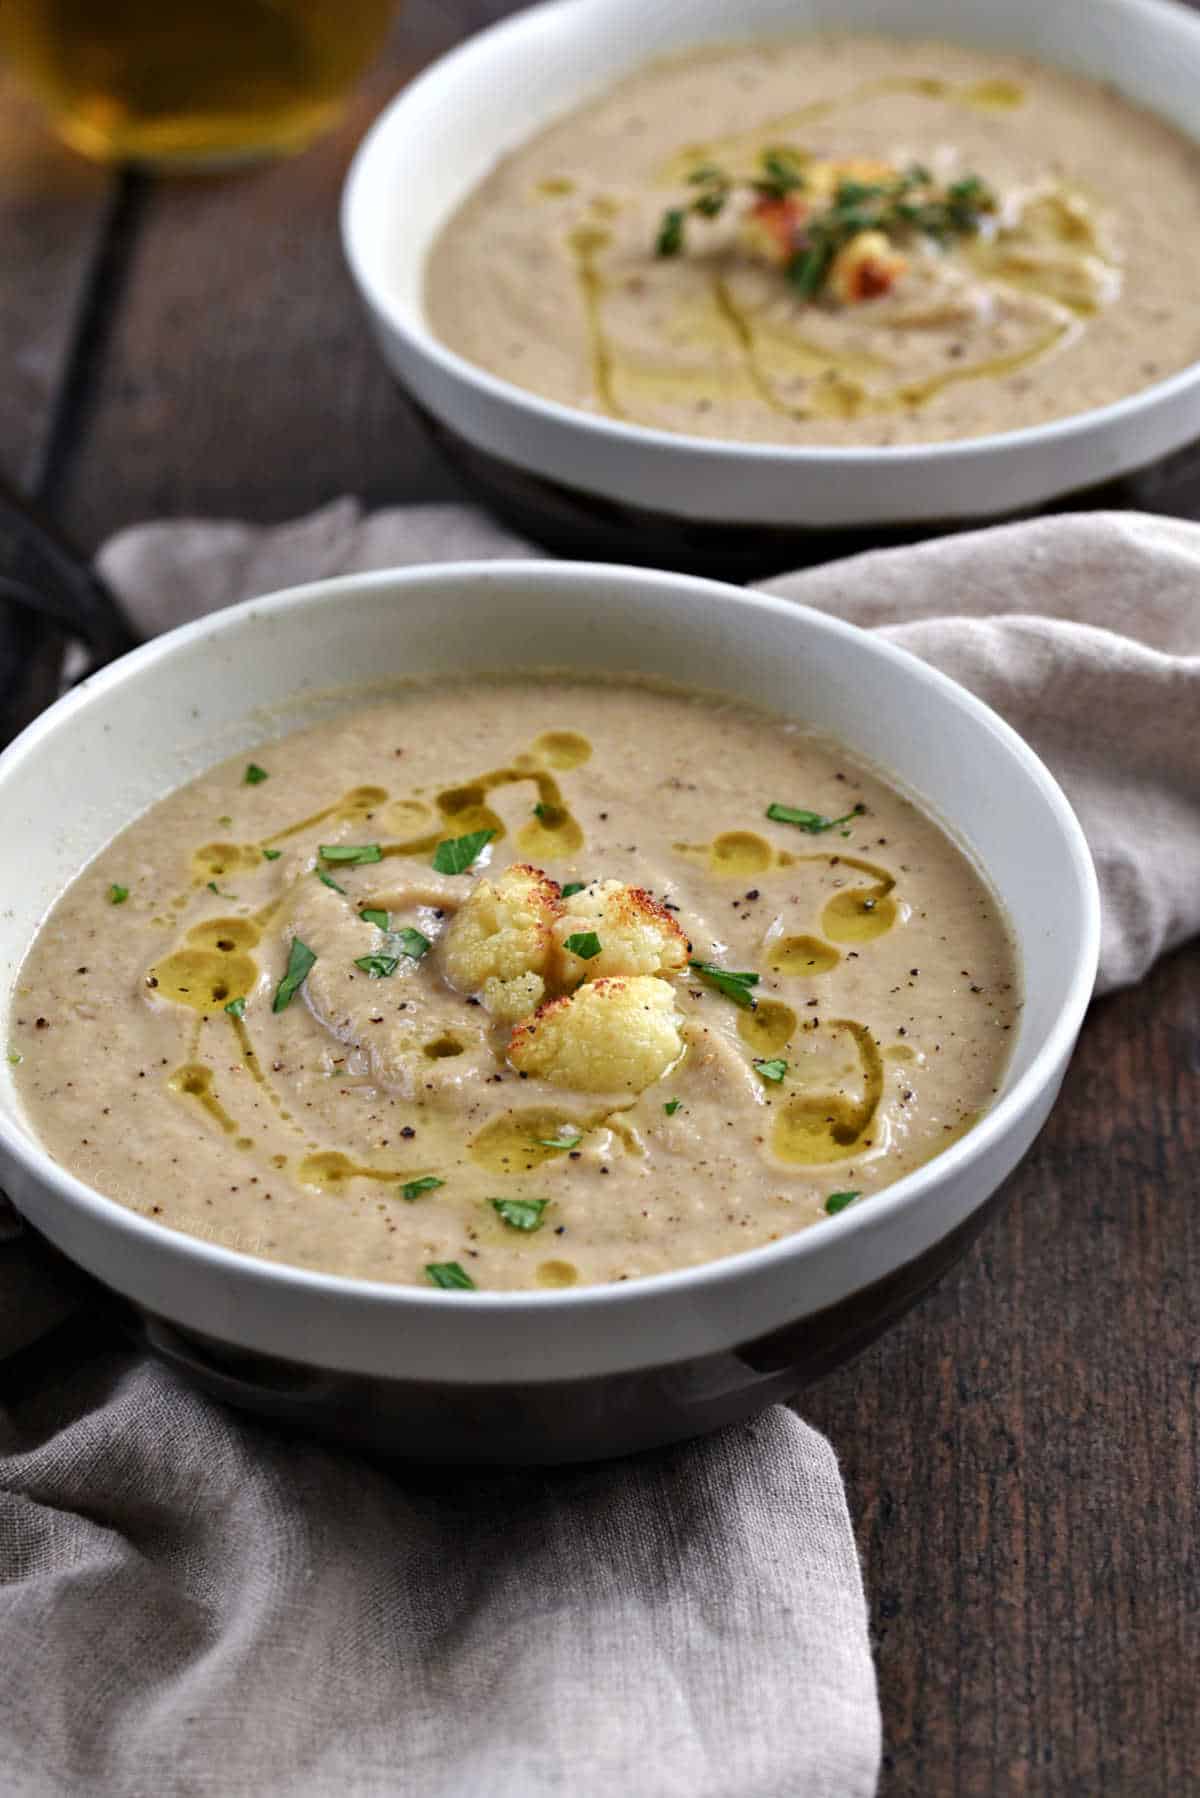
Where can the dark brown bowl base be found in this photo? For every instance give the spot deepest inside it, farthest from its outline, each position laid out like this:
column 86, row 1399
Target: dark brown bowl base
column 586, row 528
column 554, row 1422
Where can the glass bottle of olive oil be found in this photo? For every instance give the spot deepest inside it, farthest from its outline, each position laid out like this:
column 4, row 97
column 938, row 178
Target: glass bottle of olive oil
column 191, row 83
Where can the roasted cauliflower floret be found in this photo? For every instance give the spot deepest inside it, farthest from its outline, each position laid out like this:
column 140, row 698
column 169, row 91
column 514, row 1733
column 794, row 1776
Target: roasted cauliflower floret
column 636, row 934
column 771, row 228
column 511, row 1000
column 868, row 267
column 609, row 1036
column 499, row 944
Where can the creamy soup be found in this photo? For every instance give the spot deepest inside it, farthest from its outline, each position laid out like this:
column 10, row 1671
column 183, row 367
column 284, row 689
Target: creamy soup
column 841, row 240
column 517, row 983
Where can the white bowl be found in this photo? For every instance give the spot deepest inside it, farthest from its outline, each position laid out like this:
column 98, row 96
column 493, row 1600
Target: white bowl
column 540, row 1376
column 542, row 459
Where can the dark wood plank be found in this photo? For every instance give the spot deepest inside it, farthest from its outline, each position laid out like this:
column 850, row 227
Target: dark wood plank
column 55, row 214
column 240, row 378
column 1023, row 1453
column 54, row 209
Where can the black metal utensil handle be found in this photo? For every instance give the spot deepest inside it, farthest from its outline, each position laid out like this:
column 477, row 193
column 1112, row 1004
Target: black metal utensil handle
column 48, row 592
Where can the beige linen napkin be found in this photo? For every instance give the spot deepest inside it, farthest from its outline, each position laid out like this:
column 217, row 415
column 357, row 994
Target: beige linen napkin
column 194, row 1604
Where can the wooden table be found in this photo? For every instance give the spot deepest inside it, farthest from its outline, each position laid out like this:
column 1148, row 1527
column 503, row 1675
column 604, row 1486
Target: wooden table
column 1023, row 1452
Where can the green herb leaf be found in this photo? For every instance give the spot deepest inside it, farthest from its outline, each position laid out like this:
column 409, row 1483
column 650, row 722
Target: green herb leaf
column 456, row 854
column 449, row 1276
column 412, row 1189
column 672, row 1106
column 782, row 174
column 370, row 915
column 327, row 880
column 117, row 895
column 225, row 819
column 520, row 1214
column 254, row 774
column 812, row 822
column 15, row 1057
column 541, row 811
column 214, row 888
column 572, row 887
column 669, row 241
column 773, row 1070
column 734, row 986
column 350, row 852
column 808, row 267
column 838, row 1201
column 379, row 967
column 300, row 961
column 585, row 944
column 236, row 1008
column 272, row 855
column 567, row 1138
column 411, row 942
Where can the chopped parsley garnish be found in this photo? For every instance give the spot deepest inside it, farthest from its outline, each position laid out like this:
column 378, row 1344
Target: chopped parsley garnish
column 906, row 207
column 567, row 1137
column 407, row 941
column 669, row 241
column 412, row 1189
column 327, row 880
column 456, row 854
column 15, row 1057
column 520, row 1214
column 782, row 174
column 813, row 822
column 838, row 1201
column 585, row 944
column 236, row 1008
column 773, row 1070
column 572, row 887
column 300, row 962
column 225, row 818
column 672, row 1106
column 543, row 812
column 449, row 1276
column 117, row 895
column 254, row 774
column 379, row 967
column 350, row 852
column 734, row 986
column 411, row 941
column 272, row 855
column 214, row 888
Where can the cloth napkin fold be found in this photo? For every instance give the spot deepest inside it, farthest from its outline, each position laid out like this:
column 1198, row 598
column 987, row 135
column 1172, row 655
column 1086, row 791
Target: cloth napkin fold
column 193, row 1603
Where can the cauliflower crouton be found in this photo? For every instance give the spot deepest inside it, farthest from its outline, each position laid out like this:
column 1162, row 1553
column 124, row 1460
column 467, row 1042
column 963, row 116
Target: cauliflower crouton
column 499, row 944
column 637, row 935
column 868, row 267
column 771, row 229
column 609, row 1036
column 511, row 1000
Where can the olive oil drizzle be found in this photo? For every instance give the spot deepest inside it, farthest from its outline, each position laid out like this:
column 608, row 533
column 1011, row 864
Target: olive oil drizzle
column 742, row 150
column 356, row 803
column 585, row 243
column 817, row 1127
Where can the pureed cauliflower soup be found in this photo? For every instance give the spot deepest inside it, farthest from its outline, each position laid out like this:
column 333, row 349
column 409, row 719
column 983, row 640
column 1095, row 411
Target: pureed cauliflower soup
column 841, row 240
column 517, row 982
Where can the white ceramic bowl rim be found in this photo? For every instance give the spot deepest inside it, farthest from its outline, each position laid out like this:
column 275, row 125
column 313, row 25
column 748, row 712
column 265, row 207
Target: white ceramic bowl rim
column 612, row 1299
column 618, row 431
